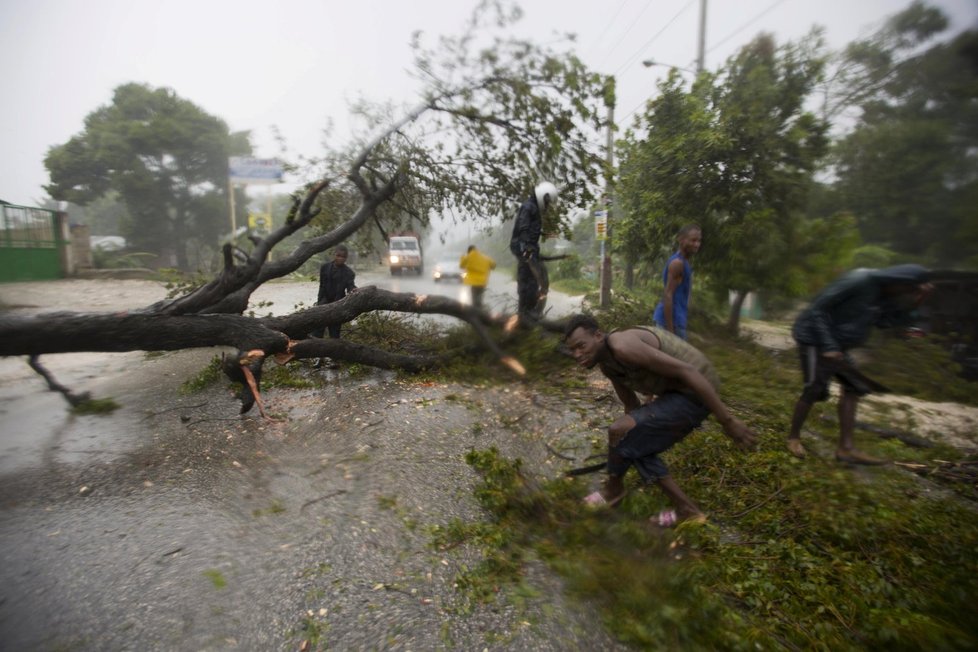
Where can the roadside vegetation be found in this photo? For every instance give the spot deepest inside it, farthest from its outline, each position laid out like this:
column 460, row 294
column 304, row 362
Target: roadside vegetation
column 797, row 554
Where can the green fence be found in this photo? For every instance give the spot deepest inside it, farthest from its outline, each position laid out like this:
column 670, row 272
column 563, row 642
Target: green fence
column 31, row 244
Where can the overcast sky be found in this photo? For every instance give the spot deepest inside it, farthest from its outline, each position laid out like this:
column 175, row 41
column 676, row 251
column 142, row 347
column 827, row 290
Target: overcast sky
column 297, row 64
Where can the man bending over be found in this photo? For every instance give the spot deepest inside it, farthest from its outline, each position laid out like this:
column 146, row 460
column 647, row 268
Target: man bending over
column 680, row 388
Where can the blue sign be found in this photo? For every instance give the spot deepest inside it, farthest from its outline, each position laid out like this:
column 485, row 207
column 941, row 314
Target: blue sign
column 242, row 169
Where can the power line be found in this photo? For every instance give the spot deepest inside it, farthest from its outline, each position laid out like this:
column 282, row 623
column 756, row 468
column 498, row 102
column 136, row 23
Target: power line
column 630, row 28
column 631, row 60
column 608, row 26
column 744, row 26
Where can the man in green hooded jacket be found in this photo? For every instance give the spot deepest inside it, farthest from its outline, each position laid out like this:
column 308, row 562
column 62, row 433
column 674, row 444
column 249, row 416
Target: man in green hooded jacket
column 841, row 318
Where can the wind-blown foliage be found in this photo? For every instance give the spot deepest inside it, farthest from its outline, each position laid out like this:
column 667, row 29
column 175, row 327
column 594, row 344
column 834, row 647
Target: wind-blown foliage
column 669, row 177
column 735, row 154
column 908, row 170
column 496, row 115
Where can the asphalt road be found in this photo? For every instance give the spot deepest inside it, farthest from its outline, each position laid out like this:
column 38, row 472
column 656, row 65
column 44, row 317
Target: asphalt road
column 175, row 524
column 500, row 293
column 35, row 430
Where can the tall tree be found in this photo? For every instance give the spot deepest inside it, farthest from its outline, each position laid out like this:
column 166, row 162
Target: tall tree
column 771, row 148
column 669, row 176
column 164, row 156
column 735, row 154
column 908, row 169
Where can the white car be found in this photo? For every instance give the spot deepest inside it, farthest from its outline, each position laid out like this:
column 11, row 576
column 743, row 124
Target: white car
column 448, row 270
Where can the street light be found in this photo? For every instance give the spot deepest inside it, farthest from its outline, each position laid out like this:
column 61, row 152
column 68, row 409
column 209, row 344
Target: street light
column 648, row 63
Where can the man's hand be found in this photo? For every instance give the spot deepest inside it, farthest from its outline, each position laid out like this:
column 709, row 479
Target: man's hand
column 743, row 436
column 832, row 355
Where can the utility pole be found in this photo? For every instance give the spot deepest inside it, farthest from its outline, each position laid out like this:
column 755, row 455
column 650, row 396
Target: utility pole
column 609, row 102
column 701, row 50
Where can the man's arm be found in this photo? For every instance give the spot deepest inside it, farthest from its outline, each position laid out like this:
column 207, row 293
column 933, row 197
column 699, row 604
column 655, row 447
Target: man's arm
column 627, row 397
column 323, row 282
column 674, row 277
column 821, row 309
column 526, row 231
column 630, row 349
column 534, row 228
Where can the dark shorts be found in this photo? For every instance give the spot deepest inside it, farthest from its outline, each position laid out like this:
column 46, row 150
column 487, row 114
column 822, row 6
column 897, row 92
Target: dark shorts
column 659, row 425
column 818, row 372
column 530, row 274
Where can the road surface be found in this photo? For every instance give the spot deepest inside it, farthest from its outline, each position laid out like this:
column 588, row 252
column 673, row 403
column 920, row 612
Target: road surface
column 175, row 524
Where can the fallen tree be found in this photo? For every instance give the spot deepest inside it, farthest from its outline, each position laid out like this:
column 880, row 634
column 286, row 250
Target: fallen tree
column 493, row 121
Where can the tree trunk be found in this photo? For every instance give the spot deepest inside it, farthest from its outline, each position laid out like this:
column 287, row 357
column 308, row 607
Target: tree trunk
column 180, row 239
column 733, row 322
column 629, row 274
column 66, row 332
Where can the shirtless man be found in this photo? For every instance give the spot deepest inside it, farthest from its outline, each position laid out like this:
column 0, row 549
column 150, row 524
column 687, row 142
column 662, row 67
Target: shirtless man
column 681, row 390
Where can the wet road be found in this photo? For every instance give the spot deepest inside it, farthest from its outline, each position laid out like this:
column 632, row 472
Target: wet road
column 36, row 429
column 500, row 293
column 174, row 524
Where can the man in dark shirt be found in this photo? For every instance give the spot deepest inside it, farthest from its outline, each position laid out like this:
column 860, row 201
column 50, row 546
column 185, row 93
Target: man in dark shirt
column 840, row 318
column 336, row 280
column 531, row 279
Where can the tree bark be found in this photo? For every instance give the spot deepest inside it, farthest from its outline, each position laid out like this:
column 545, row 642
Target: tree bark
column 65, row 332
column 733, row 323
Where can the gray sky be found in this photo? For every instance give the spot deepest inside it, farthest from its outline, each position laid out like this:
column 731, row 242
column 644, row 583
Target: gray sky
column 296, row 64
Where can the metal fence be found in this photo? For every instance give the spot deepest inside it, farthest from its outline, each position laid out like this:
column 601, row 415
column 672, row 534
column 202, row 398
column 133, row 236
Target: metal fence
column 33, row 243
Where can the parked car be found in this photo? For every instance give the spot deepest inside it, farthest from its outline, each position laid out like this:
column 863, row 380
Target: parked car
column 448, row 270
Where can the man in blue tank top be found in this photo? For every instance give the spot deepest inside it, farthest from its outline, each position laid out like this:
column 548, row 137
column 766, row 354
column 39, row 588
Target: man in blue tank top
column 671, row 313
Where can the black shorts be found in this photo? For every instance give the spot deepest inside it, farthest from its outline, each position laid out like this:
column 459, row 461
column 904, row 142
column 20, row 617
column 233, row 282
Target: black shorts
column 659, row 425
column 818, row 372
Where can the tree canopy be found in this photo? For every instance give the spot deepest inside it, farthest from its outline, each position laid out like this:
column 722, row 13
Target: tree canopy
column 735, row 154
column 164, row 156
column 908, row 169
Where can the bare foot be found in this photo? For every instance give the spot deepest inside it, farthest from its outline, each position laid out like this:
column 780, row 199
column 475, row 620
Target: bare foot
column 603, row 499
column 853, row 456
column 796, row 449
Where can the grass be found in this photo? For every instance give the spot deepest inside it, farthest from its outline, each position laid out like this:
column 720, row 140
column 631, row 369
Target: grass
column 216, row 578
column 95, row 406
column 273, row 375
column 204, row 378
column 798, row 554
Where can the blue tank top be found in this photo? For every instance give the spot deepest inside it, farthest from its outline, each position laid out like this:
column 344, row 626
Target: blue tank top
column 680, row 300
